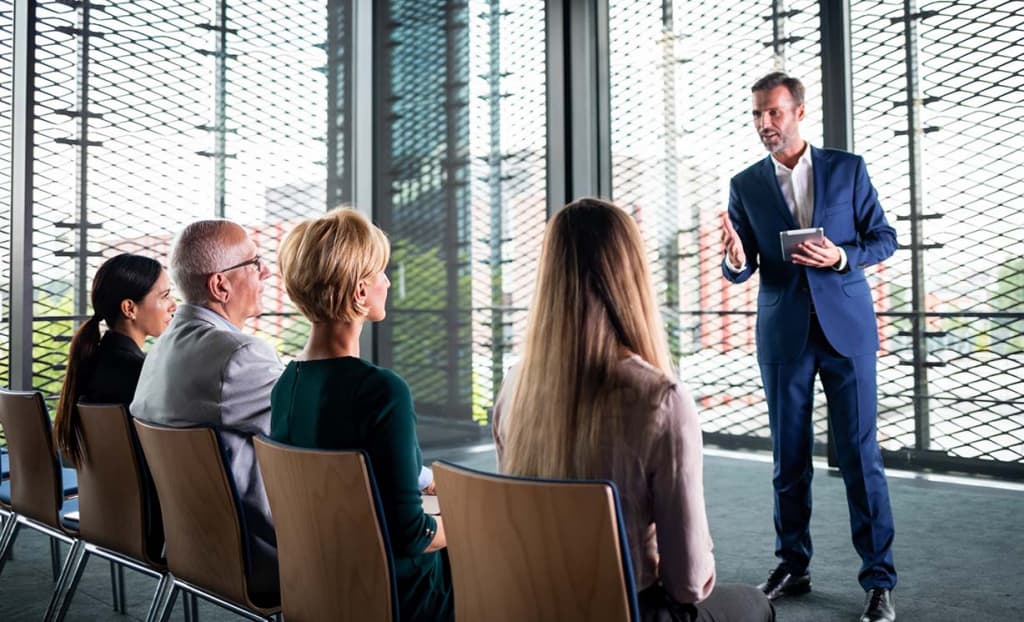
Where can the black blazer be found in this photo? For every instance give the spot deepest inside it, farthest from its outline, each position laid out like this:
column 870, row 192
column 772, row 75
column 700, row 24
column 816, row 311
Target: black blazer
column 115, row 371
column 112, row 380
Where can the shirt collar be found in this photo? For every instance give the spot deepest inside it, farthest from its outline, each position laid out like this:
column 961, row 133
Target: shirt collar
column 805, row 158
column 203, row 313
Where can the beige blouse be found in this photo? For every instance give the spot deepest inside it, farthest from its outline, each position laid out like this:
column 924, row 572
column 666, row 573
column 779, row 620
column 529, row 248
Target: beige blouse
column 656, row 463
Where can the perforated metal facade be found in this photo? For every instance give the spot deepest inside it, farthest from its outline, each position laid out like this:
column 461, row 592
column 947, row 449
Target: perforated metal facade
column 462, row 193
column 149, row 114
column 936, row 113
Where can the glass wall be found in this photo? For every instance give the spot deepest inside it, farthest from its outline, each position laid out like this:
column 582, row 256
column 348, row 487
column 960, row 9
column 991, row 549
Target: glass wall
column 680, row 118
column 936, row 102
column 149, row 114
column 462, row 193
column 937, row 112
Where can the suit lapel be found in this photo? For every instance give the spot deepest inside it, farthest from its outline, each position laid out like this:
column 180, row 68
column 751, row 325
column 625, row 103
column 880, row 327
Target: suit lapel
column 775, row 195
column 820, row 170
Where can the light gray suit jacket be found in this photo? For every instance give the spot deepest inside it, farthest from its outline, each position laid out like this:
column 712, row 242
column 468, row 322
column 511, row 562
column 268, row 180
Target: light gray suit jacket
column 204, row 371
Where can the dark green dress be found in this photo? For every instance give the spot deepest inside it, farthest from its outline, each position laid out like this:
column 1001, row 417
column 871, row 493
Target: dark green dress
column 347, row 403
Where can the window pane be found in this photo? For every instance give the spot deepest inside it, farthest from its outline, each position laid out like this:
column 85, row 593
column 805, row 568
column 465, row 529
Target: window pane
column 680, row 86
column 463, row 197
column 175, row 119
column 970, row 75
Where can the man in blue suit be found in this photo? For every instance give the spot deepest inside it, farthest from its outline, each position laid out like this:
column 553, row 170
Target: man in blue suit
column 815, row 315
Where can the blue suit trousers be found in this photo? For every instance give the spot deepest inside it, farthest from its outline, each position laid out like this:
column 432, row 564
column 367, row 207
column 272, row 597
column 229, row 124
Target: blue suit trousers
column 851, row 393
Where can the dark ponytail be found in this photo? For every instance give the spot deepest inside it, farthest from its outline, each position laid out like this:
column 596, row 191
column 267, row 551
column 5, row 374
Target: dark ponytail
column 123, row 277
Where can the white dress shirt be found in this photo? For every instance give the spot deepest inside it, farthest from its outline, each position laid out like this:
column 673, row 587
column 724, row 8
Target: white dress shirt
column 797, row 186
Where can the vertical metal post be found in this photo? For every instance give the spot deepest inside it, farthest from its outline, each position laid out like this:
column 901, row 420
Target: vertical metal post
column 455, row 159
column 360, row 94
column 82, row 291
column 335, row 75
column 494, row 160
column 914, row 151
column 343, row 122
column 836, row 74
column 779, row 34
column 837, row 100
column 220, row 107
column 579, row 130
column 668, row 217
column 602, row 101
column 22, row 182
column 381, row 142
column 556, row 68
column 359, row 125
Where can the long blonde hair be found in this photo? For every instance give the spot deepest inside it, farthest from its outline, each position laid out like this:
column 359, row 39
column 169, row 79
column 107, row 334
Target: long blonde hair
column 593, row 302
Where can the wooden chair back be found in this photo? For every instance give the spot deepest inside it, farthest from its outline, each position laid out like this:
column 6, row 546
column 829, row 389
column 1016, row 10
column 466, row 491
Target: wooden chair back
column 117, row 505
column 35, row 477
column 334, row 557
column 202, row 524
column 532, row 549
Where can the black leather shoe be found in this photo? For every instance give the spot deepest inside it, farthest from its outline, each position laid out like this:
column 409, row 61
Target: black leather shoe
column 879, row 606
column 782, row 582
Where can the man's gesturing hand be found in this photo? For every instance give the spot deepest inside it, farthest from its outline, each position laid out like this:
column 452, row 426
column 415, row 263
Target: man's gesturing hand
column 732, row 244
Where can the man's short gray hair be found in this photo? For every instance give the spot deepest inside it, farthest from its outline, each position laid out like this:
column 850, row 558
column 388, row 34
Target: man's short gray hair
column 198, row 252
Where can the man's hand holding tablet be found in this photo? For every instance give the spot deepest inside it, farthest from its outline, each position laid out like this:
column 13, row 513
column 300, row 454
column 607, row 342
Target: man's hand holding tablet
column 809, row 247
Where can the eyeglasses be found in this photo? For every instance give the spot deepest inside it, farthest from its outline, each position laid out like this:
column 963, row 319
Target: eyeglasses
column 255, row 261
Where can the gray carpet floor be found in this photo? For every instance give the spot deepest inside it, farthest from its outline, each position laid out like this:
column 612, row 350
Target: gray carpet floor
column 959, row 551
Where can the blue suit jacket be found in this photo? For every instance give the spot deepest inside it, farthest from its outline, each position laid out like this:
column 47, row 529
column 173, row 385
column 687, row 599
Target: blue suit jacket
column 846, row 206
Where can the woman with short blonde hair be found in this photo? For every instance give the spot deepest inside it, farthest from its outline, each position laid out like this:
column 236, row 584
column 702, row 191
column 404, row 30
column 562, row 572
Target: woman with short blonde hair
column 329, row 398
column 595, row 397
column 324, row 259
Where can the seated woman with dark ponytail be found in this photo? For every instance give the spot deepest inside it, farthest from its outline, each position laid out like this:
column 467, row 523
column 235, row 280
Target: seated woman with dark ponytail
column 131, row 294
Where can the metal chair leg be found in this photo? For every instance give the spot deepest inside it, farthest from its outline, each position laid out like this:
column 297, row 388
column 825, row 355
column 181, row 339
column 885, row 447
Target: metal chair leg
column 163, row 614
column 117, row 595
column 67, row 582
column 55, row 557
column 164, row 587
column 191, row 604
column 7, row 536
column 9, row 518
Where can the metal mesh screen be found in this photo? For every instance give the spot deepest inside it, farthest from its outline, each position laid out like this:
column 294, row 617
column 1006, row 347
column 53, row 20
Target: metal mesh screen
column 152, row 114
column 964, row 82
column 951, row 369
column 680, row 77
column 465, row 197
column 6, row 99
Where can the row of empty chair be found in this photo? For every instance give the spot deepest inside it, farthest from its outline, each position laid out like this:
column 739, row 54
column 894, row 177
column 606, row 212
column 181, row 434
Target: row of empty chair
column 520, row 549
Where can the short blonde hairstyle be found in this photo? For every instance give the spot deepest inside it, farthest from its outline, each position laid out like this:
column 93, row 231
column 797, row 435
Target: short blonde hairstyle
column 323, row 260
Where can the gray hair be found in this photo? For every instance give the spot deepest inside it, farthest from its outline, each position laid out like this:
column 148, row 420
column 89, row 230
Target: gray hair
column 198, row 252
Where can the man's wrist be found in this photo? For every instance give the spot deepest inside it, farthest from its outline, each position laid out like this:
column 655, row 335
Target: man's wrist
column 840, row 265
column 729, row 264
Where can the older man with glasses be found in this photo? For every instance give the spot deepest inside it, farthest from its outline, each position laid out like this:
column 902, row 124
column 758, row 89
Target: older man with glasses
column 205, row 371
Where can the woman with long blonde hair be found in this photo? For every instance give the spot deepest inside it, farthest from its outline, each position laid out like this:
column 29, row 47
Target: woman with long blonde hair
column 595, row 397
